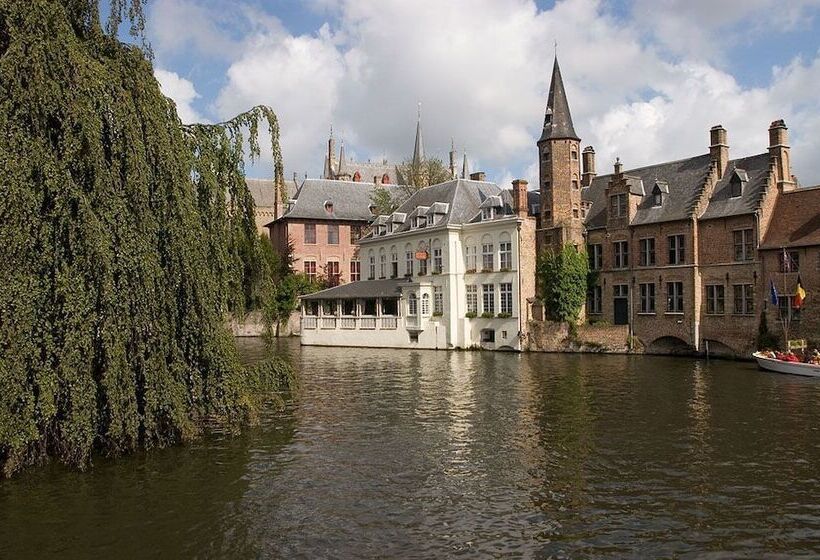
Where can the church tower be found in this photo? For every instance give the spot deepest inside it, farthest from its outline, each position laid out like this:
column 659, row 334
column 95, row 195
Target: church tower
column 559, row 172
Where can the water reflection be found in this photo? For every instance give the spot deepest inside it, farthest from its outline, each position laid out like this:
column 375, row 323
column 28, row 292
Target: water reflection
column 420, row 454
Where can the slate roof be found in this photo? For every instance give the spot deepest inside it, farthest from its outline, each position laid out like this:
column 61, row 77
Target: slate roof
column 796, row 220
column 264, row 193
column 390, row 287
column 756, row 169
column 463, row 198
column 557, row 118
column 350, row 200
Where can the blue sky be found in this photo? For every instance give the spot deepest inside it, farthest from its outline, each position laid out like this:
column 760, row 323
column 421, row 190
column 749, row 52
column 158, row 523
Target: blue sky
column 646, row 78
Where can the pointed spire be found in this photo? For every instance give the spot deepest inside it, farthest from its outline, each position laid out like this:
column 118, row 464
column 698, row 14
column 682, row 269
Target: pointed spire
column 557, row 119
column 453, row 172
column 341, row 170
column 418, row 149
column 465, row 167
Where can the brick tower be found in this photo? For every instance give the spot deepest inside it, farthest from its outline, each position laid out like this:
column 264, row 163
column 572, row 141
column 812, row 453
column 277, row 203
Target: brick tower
column 559, row 172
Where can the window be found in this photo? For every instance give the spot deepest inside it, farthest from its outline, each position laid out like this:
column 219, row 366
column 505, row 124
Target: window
column 412, row 304
column 438, row 300
column 505, row 291
column 390, row 306
column 349, row 307
column 382, row 263
column 394, row 262
column 786, row 310
column 505, row 252
column 422, row 267
column 408, row 262
column 310, row 234
column 789, row 261
column 310, row 270
column 333, row 273
column 743, row 244
column 647, row 298
column 594, row 299
column 472, row 258
column 372, row 275
column 620, row 290
column 486, row 214
column 574, row 154
column 487, row 256
column 617, row 206
column 438, row 261
column 575, row 184
column 596, row 256
column 647, row 257
column 735, row 185
column 425, row 304
column 487, row 335
column 674, row 297
column 546, row 155
column 744, row 299
column 621, row 254
column 575, row 213
column 328, row 307
column 355, row 234
column 333, row 234
column 657, row 198
column 715, row 296
column 676, row 250
column 547, row 185
column 355, row 271
column 369, row 306
column 472, row 299
column 488, row 298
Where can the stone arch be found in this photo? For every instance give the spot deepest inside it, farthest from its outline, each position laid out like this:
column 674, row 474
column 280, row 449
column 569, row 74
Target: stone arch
column 669, row 345
column 718, row 348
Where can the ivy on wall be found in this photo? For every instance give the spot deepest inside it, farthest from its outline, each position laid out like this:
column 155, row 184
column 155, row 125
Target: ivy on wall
column 562, row 279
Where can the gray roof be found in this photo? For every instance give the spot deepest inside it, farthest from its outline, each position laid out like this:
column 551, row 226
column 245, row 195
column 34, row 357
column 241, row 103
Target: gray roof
column 756, row 170
column 684, row 179
column 557, row 118
column 264, row 193
column 463, row 197
column 390, row 287
column 350, row 200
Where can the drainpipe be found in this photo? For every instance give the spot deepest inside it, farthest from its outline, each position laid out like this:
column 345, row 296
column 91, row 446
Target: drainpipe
column 518, row 274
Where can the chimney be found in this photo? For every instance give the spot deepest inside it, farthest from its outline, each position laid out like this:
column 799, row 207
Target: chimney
column 520, row 202
column 779, row 152
column 719, row 148
column 477, row 176
column 619, row 167
column 588, row 162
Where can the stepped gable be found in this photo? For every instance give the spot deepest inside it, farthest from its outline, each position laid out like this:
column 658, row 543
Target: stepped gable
column 796, row 220
column 684, row 179
column 755, row 169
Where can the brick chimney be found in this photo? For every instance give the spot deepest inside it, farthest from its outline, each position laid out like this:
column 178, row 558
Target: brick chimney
column 588, row 161
column 478, row 176
column 719, row 148
column 520, row 202
column 619, row 167
column 779, row 152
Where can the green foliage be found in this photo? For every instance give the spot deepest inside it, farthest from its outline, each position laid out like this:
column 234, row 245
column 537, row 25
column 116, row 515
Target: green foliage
column 383, row 203
column 562, row 278
column 470, row 315
column 283, row 300
column 125, row 238
column 504, row 315
column 487, row 315
column 766, row 340
column 415, row 176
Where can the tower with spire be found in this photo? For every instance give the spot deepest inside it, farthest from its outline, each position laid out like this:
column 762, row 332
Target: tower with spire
column 559, row 171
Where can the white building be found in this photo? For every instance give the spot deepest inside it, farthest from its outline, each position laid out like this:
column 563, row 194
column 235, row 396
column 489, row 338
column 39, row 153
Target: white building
column 453, row 267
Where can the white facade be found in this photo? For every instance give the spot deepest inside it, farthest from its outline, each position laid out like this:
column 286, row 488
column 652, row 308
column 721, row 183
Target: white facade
column 459, row 285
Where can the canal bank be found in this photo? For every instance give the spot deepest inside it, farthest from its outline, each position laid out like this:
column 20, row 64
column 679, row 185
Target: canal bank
column 420, row 454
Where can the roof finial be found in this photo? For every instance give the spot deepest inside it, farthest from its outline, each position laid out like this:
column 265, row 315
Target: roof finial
column 331, row 130
column 556, row 47
column 419, row 110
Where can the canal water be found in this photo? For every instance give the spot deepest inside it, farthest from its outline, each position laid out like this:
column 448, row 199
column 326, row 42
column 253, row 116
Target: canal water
column 426, row 454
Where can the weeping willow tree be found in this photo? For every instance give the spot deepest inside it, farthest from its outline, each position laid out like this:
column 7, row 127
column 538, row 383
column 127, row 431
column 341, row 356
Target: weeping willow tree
column 125, row 238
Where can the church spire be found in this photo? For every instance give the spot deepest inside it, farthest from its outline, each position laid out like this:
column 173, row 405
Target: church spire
column 418, row 149
column 465, row 167
column 557, row 119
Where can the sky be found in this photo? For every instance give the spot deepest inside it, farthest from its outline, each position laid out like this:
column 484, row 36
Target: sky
column 646, row 79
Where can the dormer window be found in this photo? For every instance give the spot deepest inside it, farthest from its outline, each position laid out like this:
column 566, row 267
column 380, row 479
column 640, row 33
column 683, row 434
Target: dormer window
column 486, row 213
column 736, row 182
column 658, row 191
column 329, row 206
column 657, row 198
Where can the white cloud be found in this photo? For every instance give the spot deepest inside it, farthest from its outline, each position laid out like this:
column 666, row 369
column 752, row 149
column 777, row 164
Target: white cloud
column 183, row 93
column 481, row 69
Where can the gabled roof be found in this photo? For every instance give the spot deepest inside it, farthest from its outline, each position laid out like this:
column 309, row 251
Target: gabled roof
column 755, row 169
column 350, row 200
column 796, row 220
column 557, row 118
column 684, row 179
column 264, row 193
column 387, row 288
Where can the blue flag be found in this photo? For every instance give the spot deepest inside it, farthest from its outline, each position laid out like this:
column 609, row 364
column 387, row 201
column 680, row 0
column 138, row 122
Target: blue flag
column 773, row 290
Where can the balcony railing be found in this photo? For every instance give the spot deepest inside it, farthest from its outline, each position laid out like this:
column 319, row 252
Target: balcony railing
column 348, row 322
column 328, row 322
column 367, row 323
column 390, row 322
column 308, row 321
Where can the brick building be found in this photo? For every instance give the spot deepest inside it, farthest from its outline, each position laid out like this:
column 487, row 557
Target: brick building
column 323, row 221
column 677, row 245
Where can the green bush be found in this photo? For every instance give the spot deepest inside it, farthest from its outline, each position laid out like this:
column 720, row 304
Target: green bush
column 562, row 280
column 470, row 315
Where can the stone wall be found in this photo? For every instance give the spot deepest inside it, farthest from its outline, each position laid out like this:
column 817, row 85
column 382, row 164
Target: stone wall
column 252, row 325
column 549, row 336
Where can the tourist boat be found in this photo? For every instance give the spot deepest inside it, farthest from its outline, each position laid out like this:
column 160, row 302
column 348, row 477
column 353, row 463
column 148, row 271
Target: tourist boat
column 782, row 366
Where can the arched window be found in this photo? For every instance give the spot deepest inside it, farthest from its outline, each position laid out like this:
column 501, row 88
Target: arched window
column 372, row 262
column 408, row 260
column 505, row 251
column 394, row 262
column 412, row 304
column 470, row 257
column 382, row 263
column 425, row 305
column 487, row 253
column 422, row 250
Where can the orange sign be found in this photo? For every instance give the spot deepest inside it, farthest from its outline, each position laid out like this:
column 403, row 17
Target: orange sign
column 421, row 255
